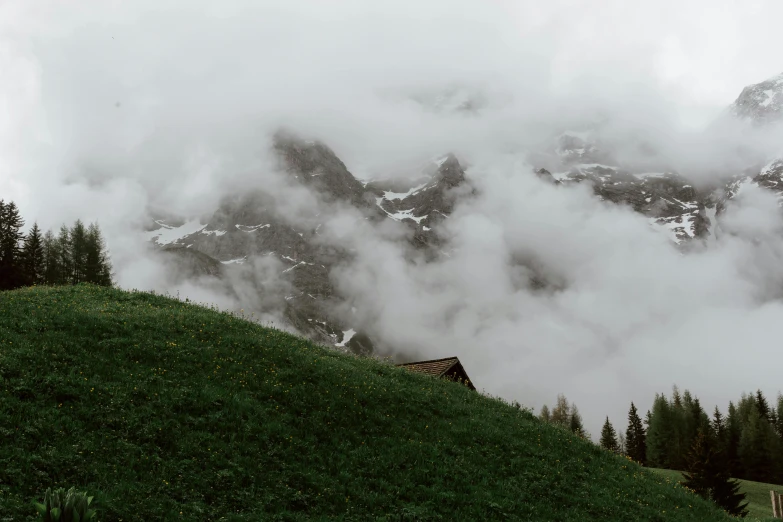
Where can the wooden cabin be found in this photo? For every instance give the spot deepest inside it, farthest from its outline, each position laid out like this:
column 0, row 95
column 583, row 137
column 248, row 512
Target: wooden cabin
column 448, row 368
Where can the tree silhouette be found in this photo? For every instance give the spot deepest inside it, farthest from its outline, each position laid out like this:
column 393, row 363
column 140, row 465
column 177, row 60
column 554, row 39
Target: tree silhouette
column 635, row 442
column 708, row 477
column 33, row 257
column 609, row 437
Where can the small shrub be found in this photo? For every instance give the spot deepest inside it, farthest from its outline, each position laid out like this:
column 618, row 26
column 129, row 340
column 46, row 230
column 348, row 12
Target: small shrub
column 62, row 506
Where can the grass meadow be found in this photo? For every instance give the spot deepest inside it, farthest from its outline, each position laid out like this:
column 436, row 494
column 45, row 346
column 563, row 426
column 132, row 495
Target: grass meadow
column 165, row 410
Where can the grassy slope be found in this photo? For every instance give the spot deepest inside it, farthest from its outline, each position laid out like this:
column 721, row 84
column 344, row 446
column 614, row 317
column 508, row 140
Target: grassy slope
column 759, row 503
column 171, row 411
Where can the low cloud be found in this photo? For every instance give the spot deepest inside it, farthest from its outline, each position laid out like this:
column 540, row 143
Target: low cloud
column 113, row 111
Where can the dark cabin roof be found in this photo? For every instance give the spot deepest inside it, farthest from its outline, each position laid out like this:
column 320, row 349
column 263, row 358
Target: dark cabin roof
column 447, row 367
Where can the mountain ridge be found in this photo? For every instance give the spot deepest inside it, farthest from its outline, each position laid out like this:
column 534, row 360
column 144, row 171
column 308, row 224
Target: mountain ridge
column 248, row 225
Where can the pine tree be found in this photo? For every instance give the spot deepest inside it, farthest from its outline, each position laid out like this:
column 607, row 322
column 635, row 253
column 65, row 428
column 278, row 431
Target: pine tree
column 98, row 267
column 708, row 478
column 51, row 255
column 676, row 397
column 545, row 415
column 695, row 419
column 622, row 445
column 609, row 437
column 733, row 432
column 33, row 257
column 763, row 406
column 718, row 425
column 65, row 255
column 659, row 434
column 697, row 472
column 575, row 422
column 11, row 263
column 78, row 241
column 679, row 423
column 636, row 444
column 720, row 432
column 758, row 448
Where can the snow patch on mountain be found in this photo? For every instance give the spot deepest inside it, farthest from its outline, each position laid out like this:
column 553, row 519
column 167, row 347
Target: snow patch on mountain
column 406, row 214
column 167, row 234
column 402, row 195
column 644, row 175
column 238, row 261
column 213, row 232
column 677, row 228
column 347, row 336
column 247, row 228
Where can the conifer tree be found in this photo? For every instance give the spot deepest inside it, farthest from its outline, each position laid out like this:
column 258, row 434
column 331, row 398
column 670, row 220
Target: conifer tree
column 545, row 415
column 744, row 406
column 33, row 257
column 676, row 397
column 78, row 245
column 575, row 423
column 695, row 419
column 762, row 405
column 660, row 434
column 51, row 255
column 708, row 478
column 718, row 425
column 622, row 444
column 66, row 258
column 720, row 433
column 733, row 432
column 609, row 437
column 758, row 448
column 98, row 269
column 679, row 425
column 11, row 265
column 636, row 444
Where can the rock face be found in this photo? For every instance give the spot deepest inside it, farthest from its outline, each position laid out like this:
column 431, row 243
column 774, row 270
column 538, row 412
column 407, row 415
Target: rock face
column 671, row 203
column 425, row 205
column 248, row 231
column 315, row 165
column 761, row 103
column 248, row 227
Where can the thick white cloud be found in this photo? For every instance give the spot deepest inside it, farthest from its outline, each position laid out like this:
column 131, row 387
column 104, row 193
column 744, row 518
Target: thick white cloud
column 108, row 108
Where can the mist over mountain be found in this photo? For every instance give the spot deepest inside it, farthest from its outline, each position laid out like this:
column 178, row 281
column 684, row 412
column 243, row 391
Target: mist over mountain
column 497, row 181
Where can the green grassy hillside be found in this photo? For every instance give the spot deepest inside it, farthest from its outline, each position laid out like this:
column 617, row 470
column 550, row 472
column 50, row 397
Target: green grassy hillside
column 759, row 503
column 169, row 411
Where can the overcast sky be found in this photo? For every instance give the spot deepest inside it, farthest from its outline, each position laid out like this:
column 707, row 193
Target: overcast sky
column 110, row 107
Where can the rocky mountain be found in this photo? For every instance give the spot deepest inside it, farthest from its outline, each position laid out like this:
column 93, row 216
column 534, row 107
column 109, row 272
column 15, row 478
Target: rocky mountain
column 672, row 203
column 249, row 230
column 761, row 103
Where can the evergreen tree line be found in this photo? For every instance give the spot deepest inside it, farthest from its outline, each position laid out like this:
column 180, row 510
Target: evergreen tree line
column 749, row 436
column 746, row 442
column 678, row 434
column 75, row 255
